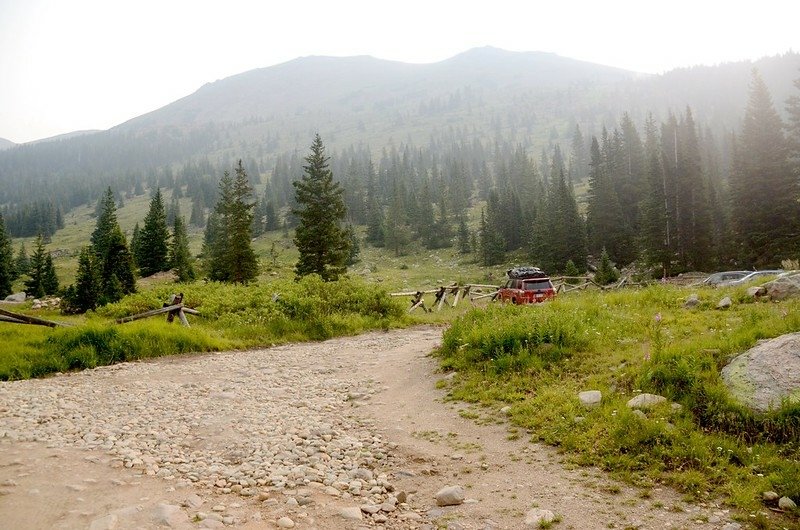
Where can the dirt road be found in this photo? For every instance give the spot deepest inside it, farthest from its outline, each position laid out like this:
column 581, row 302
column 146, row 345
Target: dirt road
column 309, row 436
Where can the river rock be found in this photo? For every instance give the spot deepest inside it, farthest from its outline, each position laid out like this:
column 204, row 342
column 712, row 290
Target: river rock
column 725, row 303
column 537, row 517
column 590, row 398
column 785, row 503
column 285, row 522
column 450, row 496
column 691, row 301
column 645, row 401
column 351, row 513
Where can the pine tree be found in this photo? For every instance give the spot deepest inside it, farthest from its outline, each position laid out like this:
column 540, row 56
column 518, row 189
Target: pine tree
column 355, row 247
column 198, row 217
column 563, row 237
column 106, row 223
column 116, row 269
column 153, row 243
column 764, row 190
column 491, row 237
column 7, row 266
column 227, row 249
column 322, row 242
column 22, row 263
column 84, row 295
column 49, row 280
column 606, row 273
column 375, row 224
column 180, row 259
column 463, row 236
column 606, row 225
column 35, row 286
column 656, row 229
column 136, row 244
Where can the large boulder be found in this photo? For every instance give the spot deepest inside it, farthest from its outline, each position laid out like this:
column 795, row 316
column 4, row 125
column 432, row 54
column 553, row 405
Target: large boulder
column 783, row 288
column 16, row 297
column 766, row 374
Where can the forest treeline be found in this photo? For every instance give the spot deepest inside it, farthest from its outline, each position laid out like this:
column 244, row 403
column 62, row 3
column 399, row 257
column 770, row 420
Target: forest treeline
column 670, row 192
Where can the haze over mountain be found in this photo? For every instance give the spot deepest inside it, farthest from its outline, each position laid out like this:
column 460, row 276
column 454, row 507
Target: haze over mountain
column 486, row 94
column 5, row 144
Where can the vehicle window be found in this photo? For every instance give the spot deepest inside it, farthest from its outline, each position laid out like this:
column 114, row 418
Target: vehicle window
column 509, row 284
column 537, row 285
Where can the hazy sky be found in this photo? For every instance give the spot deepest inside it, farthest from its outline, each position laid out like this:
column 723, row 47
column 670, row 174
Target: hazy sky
column 68, row 65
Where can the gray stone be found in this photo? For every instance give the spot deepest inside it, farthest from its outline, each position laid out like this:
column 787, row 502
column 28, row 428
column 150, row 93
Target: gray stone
column 645, row 401
column 370, row 508
column 16, row 298
column 692, row 301
column 211, row 523
column 638, row 413
column 362, row 473
column 732, row 526
column 351, row 513
column 784, row 288
column 108, row 522
column 193, row 501
column 380, row 518
column 767, row 374
column 169, row 515
column 450, row 496
column 769, row 496
column 590, row 398
column 538, row 516
column 756, row 291
column 506, row 410
column 285, row 522
column 785, row 503
column 409, row 516
column 725, row 303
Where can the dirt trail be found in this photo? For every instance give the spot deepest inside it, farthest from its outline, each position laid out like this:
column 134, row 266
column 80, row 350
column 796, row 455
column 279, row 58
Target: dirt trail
column 432, row 446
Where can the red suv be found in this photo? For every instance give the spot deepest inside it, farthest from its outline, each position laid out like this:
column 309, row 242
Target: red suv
column 527, row 285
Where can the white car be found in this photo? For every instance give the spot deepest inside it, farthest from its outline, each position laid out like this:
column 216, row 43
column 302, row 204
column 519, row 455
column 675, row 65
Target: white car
column 752, row 276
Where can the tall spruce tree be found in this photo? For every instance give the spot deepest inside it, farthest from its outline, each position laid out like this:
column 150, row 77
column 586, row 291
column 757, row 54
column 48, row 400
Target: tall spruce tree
column 655, row 231
column 116, row 269
column 227, row 248
column 7, row 265
column 180, row 259
column 153, row 244
column 43, row 280
column 764, row 190
column 22, row 262
column 606, row 225
column 320, row 238
column 106, row 223
column 84, row 295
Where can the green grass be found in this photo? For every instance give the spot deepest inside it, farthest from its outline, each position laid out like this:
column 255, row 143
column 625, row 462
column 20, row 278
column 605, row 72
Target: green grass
column 538, row 358
column 233, row 316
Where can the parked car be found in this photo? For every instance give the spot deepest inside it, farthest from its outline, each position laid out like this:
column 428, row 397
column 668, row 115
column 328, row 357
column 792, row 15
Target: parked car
column 754, row 275
column 719, row 278
column 527, row 285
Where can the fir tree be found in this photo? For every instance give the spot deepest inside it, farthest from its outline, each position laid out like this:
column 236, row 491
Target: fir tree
column 22, row 263
column 84, row 295
column 463, row 236
column 40, row 273
column 322, row 242
column 227, row 248
column 656, row 229
column 106, row 223
column 8, row 270
column 116, row 269
column 491, row 237
column 355, row 247
column 764, row 190
column 153, row 244
column 375, row 224
column 49, row 280
column 180, row 259
column 606, row 273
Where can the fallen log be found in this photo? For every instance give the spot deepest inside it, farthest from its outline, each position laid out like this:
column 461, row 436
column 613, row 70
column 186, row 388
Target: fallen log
column 26, row 319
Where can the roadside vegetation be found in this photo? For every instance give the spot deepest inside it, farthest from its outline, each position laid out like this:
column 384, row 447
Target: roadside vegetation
column 233, row 317
column 537, row 360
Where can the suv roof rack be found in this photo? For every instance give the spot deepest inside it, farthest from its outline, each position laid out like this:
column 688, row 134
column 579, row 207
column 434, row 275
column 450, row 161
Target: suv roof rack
column 524, row 273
